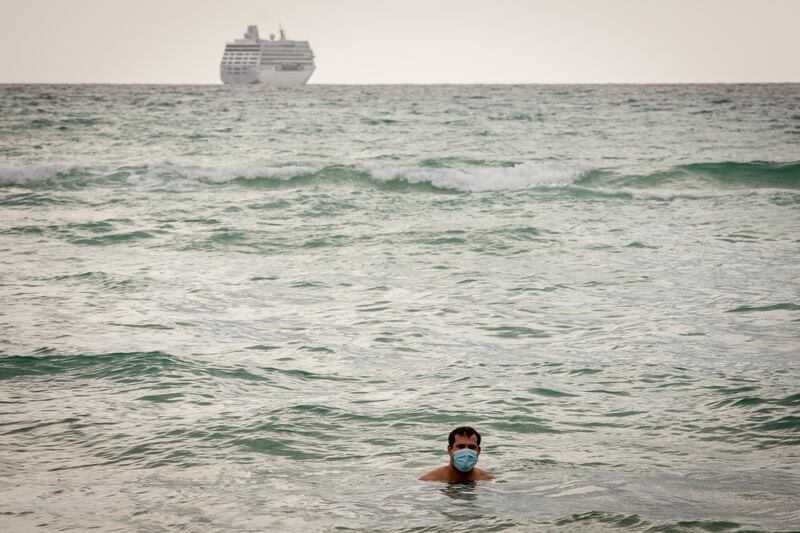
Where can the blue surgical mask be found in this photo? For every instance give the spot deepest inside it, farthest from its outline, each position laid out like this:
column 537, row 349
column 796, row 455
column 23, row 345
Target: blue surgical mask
column 465, row 459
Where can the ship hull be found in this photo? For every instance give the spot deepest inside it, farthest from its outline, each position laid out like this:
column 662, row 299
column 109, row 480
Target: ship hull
column 269, row 76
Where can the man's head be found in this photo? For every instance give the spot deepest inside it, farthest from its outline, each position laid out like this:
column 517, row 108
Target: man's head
column 464, row 431
column 463, row 438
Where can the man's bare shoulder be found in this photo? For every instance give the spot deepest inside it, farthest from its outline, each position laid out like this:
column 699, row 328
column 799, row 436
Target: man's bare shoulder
column 437, row 474
column 445, row 473
column 482, row 474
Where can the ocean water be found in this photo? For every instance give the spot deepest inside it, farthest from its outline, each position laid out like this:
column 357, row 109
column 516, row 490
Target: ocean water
column 255, row 309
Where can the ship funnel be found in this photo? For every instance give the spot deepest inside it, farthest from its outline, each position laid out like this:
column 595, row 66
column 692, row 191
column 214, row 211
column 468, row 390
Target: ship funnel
column 252, row 33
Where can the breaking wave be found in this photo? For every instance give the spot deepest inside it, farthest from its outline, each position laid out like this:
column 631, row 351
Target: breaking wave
column 37, row 174
column 698, row 176
column 695, row 178
column 480, row 179
column 475, row 179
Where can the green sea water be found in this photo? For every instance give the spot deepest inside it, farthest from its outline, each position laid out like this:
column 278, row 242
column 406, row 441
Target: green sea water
column 255, row 309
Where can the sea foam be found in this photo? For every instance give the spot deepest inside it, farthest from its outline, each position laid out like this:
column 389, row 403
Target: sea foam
column 470, row 179
column 690, row 181
column 481, row 179
column 33, row 174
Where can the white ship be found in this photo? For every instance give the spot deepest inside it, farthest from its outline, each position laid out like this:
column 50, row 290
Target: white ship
column 281, row 62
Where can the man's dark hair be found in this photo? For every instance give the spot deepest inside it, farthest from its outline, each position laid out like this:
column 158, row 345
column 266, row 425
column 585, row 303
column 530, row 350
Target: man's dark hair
column 465, row 431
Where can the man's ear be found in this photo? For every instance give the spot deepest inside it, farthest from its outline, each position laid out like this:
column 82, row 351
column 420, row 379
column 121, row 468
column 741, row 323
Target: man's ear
column 479, row 449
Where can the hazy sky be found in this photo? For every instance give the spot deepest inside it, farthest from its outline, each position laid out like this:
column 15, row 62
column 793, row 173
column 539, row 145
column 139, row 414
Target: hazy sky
column 408, row 41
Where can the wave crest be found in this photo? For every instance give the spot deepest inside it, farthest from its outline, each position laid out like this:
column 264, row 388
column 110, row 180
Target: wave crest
column 693, row 179
column 472, row 179
column 35, row 174
column 481, row 179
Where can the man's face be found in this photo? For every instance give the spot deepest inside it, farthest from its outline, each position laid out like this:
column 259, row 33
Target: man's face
column 460, row 442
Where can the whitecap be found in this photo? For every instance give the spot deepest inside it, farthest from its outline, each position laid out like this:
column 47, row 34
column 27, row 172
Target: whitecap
column 482, row 179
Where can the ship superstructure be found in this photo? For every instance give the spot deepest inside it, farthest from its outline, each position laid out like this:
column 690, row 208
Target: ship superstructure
column 274, row 61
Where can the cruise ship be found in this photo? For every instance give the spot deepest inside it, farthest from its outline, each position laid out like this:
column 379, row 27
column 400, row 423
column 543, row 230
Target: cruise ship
column 281, row 61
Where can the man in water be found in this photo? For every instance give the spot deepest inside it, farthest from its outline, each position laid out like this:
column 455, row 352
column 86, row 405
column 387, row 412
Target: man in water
column 464, row 447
